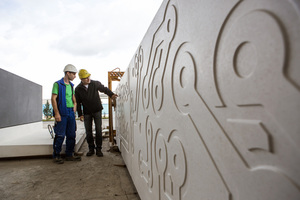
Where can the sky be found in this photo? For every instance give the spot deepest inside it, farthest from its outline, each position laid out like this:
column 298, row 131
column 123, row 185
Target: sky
column 39, row 37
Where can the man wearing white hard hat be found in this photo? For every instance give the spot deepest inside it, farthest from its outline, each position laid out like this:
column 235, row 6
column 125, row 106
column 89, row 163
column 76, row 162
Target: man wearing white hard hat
column 87, row 97
column 64, row 108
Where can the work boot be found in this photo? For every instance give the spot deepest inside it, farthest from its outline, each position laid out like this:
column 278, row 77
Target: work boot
column 58, row 160
column 73, row 158
column 91, row 152
column 99, row 153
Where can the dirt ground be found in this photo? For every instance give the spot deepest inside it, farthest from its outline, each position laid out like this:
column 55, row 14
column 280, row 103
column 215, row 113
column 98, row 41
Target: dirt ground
column 93, row 178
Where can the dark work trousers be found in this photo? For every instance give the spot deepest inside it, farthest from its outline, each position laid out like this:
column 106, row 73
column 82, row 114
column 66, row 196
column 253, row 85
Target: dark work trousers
column 88, row 122
column 65, row 128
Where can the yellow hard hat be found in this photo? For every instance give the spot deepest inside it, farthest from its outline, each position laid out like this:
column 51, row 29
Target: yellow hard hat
column 83, row 74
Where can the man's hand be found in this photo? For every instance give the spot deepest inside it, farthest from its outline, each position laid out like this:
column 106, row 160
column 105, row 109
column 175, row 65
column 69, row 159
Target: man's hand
column 57, row 117
column 81, row 118
column 114, row 96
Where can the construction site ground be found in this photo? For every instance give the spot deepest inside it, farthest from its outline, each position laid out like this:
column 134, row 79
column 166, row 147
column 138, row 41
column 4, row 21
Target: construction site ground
column 93, row 178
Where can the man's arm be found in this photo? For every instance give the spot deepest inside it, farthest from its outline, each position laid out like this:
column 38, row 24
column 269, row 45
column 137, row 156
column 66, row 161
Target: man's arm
column 78, row 101
column 55, row 108
column 104, row 89
column 75, row 103
column 114, row 96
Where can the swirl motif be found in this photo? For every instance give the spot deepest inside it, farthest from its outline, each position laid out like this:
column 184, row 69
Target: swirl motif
column 136, row 72
column 122, row 122
column 183, row 79
column 145, row 163
column 160, row 153
column 251, row 73
column 152, row 87
column 252, row 128
column 171, row 164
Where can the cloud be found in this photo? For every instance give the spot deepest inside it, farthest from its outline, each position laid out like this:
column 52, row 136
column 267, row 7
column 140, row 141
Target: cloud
column 99, row 35
column 100, row 29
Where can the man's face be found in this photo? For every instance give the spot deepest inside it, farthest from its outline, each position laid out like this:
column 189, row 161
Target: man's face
column 86, row 81
column 71, row 75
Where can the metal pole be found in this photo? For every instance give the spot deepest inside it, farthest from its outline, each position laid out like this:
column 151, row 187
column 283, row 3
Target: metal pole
column 110, row 117
column 112, row 76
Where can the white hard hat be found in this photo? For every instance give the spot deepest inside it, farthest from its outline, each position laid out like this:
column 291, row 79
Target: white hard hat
column 70, row 68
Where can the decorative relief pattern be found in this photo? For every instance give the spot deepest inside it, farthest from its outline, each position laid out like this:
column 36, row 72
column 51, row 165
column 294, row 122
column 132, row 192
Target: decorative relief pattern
column 258, row 137
column 122, row 121
column 249, row 74
column 183, row 82
column 145, row 158
column 136, row 76
column 153, row 86
column 170, row 164
column 237, row 139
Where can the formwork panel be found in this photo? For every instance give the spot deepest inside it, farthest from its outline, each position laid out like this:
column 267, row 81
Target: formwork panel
column 21, row 100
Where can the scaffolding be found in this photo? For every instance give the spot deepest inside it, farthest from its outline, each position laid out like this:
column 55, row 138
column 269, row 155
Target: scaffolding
column 113, row 75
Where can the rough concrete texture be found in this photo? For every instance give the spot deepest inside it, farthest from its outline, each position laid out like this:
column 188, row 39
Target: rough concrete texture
column 101, row 178
column 209, row 106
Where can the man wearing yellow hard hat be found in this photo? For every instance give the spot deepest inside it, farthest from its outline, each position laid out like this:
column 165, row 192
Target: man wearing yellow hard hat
column 89, row 108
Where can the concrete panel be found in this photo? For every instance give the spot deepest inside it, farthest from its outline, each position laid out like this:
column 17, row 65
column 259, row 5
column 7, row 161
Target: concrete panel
column 32, row 140
column 209, row 106
column 21, row 100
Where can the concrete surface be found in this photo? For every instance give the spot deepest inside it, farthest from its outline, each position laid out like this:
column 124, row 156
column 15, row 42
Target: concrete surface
column 93, row 178
column 19, row 100
column 209, row 106
column 32, row 139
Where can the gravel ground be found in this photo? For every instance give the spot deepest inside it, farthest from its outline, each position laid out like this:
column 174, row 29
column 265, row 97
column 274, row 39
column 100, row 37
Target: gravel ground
column 93, row 178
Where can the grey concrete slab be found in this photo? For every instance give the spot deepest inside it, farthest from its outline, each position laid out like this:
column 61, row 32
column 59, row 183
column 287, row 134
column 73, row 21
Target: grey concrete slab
column 21, row 100
column 32, row 140
column 209, row 106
